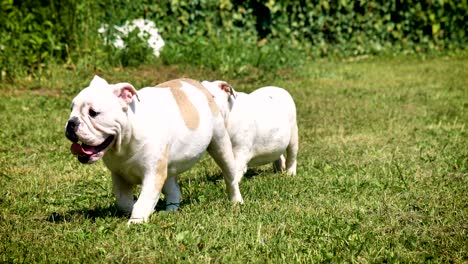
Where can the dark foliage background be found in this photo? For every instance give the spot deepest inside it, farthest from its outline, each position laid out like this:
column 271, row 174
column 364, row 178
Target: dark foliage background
column 228, row 35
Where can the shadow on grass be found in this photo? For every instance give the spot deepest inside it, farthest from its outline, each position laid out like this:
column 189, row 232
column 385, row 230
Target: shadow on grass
column 92, row 214
column 214, row 177
column 219, row 176
column 251, row 173
column 85, row 213
column 102, row 212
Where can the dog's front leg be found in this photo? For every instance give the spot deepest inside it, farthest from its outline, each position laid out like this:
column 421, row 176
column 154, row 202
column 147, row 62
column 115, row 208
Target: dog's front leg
column 171, row 191
column 149, row 196
column 123, row 193
column 152, row 185
column 220, row 150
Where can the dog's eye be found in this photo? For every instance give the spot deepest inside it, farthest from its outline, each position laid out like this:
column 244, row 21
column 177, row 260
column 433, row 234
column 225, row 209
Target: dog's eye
column 93, row 113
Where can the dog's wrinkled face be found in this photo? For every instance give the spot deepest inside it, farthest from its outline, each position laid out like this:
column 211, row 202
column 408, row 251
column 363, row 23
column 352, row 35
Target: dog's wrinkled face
column 98, row 115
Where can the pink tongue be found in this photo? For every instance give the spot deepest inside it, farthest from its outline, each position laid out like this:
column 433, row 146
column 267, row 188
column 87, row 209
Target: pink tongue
column 77, row 149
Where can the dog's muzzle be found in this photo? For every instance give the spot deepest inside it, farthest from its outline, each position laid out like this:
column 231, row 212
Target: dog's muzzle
column 72, row 127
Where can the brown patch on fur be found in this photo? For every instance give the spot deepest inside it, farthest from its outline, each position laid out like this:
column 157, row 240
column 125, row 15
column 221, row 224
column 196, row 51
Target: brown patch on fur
column 213, row 106
column 161, row 168
column 170, row 84
column 187, row 109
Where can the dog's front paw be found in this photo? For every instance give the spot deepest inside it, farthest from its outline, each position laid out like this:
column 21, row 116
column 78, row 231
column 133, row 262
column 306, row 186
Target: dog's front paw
column 136, row 221
column 172, row 207
column 125, row 209
column 237, row 200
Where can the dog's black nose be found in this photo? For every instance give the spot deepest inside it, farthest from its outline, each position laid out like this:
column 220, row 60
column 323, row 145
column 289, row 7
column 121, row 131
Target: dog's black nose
column 73, row 124
column 72, row 127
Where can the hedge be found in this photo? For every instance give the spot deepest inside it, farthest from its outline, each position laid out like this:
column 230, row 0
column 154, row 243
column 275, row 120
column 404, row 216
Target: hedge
column 33, row 32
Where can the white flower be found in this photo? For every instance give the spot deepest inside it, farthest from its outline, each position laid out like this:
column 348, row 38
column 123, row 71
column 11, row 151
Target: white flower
column 103, row 28
column 147, row 29
column 119, row 43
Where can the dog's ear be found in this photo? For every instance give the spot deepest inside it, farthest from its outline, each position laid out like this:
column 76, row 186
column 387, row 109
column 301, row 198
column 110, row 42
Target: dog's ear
column 224, row 86
column 227, row 88
column 125, row 92
column 98, row 81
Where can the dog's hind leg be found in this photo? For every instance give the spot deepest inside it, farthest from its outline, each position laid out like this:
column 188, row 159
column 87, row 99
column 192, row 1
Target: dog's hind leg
column 292, row 149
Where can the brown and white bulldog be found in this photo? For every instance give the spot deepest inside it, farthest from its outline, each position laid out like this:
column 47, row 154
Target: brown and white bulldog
column 149, row 137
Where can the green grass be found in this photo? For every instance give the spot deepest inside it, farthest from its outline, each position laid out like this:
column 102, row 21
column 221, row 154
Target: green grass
column 382, row 174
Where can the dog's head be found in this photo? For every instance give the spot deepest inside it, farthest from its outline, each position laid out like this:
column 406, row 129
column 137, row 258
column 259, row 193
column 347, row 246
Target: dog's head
column 98, row 117
column 223, row 93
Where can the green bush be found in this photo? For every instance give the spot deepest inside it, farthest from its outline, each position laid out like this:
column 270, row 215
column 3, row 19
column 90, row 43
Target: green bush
column 370, row 26
column 33, row 33
column 230, row 54
column 224, row 34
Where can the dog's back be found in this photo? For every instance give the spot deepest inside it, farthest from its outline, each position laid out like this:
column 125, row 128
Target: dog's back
column 184, row 109
column 277, row 103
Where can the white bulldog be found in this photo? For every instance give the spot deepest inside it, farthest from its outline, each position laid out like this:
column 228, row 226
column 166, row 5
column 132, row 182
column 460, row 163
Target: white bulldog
column 149, row 138
column 262, row 126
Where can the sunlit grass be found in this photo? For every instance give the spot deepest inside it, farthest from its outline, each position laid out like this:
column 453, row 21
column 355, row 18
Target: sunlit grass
column 382, row 175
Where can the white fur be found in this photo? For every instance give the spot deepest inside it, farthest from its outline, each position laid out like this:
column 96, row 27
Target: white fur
column 142, row 129
column 262, row 126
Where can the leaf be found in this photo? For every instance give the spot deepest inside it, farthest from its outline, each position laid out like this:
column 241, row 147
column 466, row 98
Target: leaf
column 435, row 29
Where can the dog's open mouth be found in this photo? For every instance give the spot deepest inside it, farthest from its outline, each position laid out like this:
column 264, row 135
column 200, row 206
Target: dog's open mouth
column 87, row 154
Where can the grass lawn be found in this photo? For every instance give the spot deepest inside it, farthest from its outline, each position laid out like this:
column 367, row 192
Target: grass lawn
column 382, row 174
